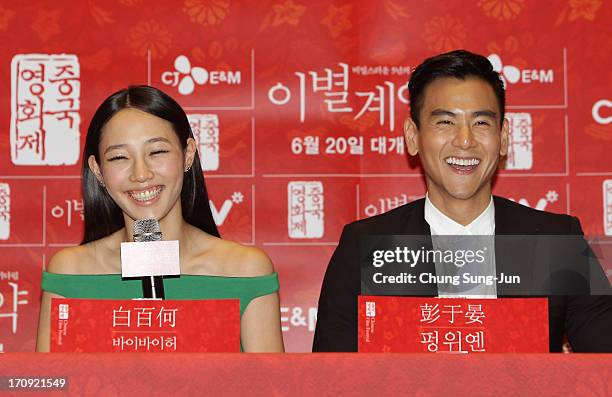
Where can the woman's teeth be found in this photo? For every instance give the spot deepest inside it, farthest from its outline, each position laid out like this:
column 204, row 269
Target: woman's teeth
column 145, row 195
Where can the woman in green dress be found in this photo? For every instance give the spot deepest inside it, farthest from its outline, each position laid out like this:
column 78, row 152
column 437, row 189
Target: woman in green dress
column 140, row 161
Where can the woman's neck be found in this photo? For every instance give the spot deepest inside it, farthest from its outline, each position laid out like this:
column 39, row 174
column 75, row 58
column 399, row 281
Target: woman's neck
column 172, row 225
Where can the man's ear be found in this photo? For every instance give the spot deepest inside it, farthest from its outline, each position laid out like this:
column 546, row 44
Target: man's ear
column 93, row 166
column 190, row 152
column 411, row 135
column 505, row 130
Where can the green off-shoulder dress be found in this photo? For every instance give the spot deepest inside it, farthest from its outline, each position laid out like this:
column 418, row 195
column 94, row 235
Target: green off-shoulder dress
column 112, row 286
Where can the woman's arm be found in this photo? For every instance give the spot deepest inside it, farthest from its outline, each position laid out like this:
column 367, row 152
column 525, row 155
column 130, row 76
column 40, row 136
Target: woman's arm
column 43, row 338
column 63, row 262
column 260, row 327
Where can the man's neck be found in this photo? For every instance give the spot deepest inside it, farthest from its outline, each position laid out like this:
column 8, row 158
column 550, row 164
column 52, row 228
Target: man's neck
column 461, row 211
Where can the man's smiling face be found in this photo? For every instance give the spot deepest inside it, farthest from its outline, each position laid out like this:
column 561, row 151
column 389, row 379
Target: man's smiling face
column 460, row 138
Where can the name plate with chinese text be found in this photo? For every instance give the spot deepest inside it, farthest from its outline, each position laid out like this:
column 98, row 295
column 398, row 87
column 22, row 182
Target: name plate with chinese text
column 452, row 325
column 93, row 325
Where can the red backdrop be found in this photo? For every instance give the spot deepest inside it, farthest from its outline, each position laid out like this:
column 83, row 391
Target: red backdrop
column 298, row 106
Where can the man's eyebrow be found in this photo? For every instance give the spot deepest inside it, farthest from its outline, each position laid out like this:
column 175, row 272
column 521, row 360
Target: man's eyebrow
column 486, row 113
column 122, row 145
column 442, row 112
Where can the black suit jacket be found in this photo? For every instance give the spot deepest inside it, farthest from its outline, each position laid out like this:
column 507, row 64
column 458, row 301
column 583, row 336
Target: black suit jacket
column 585, row 319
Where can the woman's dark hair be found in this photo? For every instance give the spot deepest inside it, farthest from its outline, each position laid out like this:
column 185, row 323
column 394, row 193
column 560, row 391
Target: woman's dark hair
column 102, row 215
column 459, row 64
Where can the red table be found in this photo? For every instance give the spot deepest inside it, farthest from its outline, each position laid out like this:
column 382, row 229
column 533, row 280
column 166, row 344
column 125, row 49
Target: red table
column 318, row 374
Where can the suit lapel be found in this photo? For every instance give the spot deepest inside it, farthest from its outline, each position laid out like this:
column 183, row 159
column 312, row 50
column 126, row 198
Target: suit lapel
column 415, row 225
column 513, row 255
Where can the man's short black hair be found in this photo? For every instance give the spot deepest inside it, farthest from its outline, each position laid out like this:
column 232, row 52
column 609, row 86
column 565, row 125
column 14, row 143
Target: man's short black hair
column 459, row 64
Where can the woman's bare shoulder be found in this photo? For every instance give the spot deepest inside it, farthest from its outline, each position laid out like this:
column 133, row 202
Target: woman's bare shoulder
column 89, row 258
column 249, row 261
column 69, row 260
column 228, row 258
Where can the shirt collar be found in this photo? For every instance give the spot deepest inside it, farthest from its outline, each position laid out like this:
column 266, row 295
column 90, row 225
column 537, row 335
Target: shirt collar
column 440, row 224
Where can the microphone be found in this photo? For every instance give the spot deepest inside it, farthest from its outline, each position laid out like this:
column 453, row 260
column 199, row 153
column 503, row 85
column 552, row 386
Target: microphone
column 148, row 230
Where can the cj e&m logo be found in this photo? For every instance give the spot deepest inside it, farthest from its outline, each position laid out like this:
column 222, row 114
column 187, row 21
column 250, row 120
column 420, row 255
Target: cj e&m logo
column 600, row 109
column 186, row 77
column 513, row 75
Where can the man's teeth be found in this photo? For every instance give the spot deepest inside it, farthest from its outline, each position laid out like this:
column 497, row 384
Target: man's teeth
column 145, row 195
column 463, row 162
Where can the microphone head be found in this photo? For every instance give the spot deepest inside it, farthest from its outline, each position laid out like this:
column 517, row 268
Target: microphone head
column 147, row 230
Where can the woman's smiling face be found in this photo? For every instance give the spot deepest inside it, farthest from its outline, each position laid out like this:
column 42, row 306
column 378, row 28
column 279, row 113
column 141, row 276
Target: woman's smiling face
column 142, row 164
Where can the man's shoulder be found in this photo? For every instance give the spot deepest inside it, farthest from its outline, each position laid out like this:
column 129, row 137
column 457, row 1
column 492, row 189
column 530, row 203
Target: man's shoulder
column 529, row 220
column 511, row 218
column 390, row 222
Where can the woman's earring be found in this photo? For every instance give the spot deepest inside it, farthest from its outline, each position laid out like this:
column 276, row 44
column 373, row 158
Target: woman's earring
column 188, row 168
column 101, row 182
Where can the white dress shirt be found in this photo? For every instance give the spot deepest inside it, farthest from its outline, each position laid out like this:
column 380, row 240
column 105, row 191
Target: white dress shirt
column 442, row 225
column 483, row 225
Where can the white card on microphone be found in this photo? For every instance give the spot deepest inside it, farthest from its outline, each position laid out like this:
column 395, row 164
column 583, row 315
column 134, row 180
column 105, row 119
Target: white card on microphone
column 154, row 258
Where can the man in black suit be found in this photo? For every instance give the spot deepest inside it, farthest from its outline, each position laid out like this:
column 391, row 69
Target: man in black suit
column 457, row 128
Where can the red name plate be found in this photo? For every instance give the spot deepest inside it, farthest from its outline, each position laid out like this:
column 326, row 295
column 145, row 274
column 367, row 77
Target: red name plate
column 91, row 325
column 443, row 325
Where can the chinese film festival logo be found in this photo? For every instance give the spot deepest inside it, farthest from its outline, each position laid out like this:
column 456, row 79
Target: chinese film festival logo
column 607, row 193
column 305, row 209
column 205, row 128
column 520, row 142
column 45, row 103
column 5, row 211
